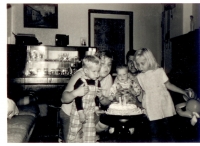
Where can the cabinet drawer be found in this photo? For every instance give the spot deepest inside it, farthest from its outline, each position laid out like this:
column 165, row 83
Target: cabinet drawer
column 58, row 80
column 35, row 80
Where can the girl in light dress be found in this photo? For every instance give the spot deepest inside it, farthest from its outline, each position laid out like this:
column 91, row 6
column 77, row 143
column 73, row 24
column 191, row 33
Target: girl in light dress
column 156, row 100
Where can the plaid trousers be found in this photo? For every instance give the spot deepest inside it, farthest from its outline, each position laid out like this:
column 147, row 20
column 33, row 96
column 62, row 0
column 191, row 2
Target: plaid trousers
column 83, row 132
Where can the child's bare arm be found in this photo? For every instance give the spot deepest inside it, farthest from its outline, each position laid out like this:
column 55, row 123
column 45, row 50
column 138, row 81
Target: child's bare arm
column 138, row 91
column 69, row 93
column 174, row 88
column 181, row 112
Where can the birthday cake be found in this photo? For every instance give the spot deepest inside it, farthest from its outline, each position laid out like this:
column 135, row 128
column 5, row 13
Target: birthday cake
column 123, row 109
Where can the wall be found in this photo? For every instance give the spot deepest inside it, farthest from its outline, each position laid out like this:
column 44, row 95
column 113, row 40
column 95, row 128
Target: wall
column 196, row 14
column 9, row 26
column 187, row 12
column 180, row 24
column 176, row 24
column 73, row 21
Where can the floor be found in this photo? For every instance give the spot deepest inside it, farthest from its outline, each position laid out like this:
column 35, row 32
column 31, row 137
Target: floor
column 181, row 132
column 46, row 131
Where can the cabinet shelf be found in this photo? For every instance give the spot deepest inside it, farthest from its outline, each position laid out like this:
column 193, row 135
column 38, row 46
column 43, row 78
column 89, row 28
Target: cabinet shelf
column 51, row 60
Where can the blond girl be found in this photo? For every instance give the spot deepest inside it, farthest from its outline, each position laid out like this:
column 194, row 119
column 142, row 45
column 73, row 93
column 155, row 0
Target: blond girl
column 156, row 98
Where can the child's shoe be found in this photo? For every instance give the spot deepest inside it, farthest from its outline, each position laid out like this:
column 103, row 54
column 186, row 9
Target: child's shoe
column 131, row 130
column 97, row 138
column 111, row 130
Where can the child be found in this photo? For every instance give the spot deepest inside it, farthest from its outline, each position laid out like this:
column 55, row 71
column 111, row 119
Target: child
column 82, row 124
column 124, row 84
column 156, row 99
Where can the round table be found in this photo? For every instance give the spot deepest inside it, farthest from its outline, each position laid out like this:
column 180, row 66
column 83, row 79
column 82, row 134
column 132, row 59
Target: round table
column 121, row 125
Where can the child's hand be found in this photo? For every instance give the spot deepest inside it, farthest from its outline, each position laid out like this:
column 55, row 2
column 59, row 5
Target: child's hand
column 111, row 97
column 190, row 93
column 82, row 116
column 99, row 92
column 86, row 89
column 98, row 112
column 82, row 90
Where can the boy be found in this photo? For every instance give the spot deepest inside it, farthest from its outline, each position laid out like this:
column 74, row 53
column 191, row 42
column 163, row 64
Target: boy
column 82, row 124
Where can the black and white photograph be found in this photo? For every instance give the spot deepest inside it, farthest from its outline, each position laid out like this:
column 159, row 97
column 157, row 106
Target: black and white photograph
column 102, row 73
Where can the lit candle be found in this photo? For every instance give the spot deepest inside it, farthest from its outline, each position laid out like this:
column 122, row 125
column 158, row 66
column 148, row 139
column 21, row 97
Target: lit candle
column 120, row 100
column 124, row 100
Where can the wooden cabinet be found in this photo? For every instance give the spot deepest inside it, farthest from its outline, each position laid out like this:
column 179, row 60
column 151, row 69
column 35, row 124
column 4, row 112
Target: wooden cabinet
column 45, row 70
column 185, row 71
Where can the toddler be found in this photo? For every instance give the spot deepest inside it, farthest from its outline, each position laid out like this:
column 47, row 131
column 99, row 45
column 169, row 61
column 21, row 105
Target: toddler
column 156, row 100
column 125, row 87
column 82, row 124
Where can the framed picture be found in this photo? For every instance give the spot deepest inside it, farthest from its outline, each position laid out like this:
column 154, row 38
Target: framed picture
column 41, row 15
column 111, row 30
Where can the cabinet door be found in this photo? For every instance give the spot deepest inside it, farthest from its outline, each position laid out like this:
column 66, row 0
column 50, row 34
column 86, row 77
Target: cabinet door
column 15, row 88
column 185, row 60
column 48, row 94
column 16, row 60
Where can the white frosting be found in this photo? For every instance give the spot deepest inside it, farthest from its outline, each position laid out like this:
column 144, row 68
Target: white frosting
column 119, row 109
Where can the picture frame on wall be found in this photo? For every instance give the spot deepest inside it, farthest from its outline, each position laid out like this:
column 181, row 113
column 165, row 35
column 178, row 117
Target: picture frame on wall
column 111, row 30
column 41, row 15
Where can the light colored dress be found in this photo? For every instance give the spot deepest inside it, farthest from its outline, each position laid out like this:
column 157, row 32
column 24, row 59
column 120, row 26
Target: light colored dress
column 156, row 99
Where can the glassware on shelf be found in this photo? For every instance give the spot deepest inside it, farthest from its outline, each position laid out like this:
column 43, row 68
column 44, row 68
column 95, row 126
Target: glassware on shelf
column 57, row 71
column 73, row 67
column 63, row 71
column 65, row 56
column 45, row 71
column 41, row 57
column 53, row 71
column 33, row 55
column 30, row 71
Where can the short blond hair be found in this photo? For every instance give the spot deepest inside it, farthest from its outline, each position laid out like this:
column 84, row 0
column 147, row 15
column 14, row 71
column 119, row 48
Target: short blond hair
column 88, row 59
column 148, row 55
